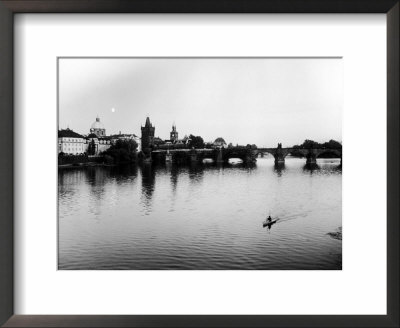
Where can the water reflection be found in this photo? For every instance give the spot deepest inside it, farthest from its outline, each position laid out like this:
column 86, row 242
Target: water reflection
column 268, row 225
column 148, row 183
column 235, row 167
column 196, row 173
column 174, row 174
column 204, row 216
column 279, row 168
column 311, row 167
column 96, row 178
column 123, row 172
column 67, row 178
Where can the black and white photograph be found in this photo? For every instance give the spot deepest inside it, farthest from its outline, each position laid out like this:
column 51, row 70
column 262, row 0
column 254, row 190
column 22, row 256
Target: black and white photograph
column 199, row 163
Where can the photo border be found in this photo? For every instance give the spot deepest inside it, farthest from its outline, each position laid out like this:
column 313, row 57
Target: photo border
column 10, row 7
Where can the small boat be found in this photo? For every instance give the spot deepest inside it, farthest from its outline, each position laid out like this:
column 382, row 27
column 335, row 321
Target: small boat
column 269, row 223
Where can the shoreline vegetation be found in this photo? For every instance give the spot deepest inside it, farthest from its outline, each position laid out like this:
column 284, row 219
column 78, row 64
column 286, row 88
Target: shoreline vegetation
column 336, row 234
column 89, row 164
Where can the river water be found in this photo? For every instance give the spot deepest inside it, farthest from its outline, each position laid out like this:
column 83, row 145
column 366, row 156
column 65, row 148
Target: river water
column 201, row 217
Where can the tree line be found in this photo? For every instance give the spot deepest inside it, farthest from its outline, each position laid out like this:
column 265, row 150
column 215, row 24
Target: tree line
column 197, row 142
column 311, row 144
column 123, row 151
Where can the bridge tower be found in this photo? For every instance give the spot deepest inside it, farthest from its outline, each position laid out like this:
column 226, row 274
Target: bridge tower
column 147, row 136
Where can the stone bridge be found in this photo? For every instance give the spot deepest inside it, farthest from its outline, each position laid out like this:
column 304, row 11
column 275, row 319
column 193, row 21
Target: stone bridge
column 219, row 155
column 246, row 154
column 311, row 155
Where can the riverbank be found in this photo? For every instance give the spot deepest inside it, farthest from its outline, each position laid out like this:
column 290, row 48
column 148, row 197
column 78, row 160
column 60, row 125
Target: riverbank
column 93, row 164
column 77, row 165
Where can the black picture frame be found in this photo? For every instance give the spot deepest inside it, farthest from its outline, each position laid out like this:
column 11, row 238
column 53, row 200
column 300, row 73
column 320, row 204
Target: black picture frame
column 10, row 7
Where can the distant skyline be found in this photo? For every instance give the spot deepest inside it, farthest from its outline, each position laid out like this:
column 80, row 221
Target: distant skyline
column 259, row 101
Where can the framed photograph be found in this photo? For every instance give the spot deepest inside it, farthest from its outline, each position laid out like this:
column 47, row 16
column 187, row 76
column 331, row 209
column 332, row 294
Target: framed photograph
column 179, row 211
column 199, row 164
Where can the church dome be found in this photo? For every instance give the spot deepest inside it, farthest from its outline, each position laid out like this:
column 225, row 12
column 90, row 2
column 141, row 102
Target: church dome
column 220, row 141
column 97, row 124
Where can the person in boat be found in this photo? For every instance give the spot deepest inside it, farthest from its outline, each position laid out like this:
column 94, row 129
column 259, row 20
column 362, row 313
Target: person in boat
column 269, row 219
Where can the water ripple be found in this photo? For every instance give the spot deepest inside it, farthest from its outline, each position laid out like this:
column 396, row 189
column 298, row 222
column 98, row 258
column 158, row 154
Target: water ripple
column 202, row 218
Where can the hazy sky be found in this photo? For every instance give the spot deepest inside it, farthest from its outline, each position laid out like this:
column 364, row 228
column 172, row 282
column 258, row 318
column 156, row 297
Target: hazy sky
column 250, row 100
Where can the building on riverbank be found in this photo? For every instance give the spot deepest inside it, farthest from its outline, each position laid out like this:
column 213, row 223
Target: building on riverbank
column 70, row 142
column 95, row 145
column 97, row 141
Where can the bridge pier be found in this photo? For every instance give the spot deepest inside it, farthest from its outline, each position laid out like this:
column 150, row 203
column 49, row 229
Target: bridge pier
column 193, row 156
column 279, row 155
column 250, row 159
column 220, row 156
column 279, row 159
column 311, row 161
column 311, row 157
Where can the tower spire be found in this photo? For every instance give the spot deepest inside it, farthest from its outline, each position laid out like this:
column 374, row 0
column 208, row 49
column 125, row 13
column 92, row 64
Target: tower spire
column 174, row 133
column 148, row 121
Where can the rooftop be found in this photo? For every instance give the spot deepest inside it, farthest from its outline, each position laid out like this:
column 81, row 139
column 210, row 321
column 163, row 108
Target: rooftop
column 67, row 133
column 94, row 136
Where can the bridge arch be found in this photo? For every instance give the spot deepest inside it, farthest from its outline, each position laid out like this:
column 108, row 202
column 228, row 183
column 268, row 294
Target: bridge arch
column 207, row 159
column 232, row 155
column 245, row 154
column 264, row 151
column 235, row 160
